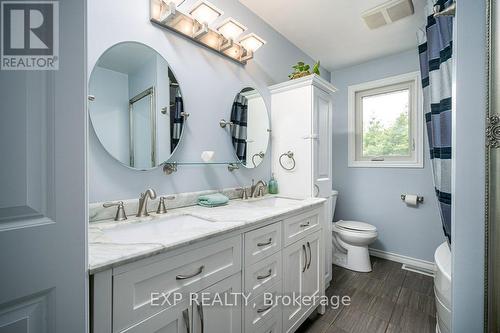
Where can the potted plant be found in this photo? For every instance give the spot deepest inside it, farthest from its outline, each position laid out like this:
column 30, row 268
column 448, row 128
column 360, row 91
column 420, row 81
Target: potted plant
column 302, row 69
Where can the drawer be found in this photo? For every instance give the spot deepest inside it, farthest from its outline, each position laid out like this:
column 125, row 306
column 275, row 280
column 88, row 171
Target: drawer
column 174, row 319
column 188, row 272
column 257, row 312
column 262, row 242
column 297, row 227
column 263, row 274
column 272, row 325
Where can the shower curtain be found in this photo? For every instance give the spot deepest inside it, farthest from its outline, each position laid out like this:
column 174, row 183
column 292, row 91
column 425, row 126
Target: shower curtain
column 435, row 50
column 239, row 126
column 176, row 120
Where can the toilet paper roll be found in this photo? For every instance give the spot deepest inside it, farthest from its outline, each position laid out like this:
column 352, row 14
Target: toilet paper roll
column 411, row 200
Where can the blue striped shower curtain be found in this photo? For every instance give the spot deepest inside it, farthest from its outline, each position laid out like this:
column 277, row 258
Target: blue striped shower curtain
column 435, row 50
column 239, row 119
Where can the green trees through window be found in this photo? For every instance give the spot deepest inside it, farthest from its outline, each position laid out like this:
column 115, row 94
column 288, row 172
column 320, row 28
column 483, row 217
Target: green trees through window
column 387, row 130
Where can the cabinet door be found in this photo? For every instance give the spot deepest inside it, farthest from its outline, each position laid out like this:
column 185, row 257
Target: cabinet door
column 312, row 280
column 176, row 319
column 322, row 144
column 210, row 317
column 294, row 266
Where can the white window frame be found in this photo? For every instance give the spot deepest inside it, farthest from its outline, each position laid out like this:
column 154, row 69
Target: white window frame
column 416, row 122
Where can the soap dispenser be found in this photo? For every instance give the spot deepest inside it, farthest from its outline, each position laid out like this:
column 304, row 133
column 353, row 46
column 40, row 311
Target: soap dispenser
column 272, row 185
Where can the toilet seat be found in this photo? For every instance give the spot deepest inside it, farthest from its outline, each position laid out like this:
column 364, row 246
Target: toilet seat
column 355, row 226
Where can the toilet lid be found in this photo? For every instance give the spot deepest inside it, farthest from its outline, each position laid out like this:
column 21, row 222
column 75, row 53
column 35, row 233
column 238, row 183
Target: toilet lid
column 355, row 225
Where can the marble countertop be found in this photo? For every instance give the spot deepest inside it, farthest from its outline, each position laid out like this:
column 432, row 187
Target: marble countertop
column 112, row 244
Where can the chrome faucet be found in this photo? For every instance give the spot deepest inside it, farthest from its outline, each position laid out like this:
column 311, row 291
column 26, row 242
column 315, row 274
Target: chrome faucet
column 143, row 202
column 258, row 189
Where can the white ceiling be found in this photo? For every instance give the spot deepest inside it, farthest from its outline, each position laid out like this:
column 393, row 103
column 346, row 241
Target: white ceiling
column 333, row 30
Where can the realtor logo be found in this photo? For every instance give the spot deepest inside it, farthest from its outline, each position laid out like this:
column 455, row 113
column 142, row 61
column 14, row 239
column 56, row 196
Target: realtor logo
column 30, row 35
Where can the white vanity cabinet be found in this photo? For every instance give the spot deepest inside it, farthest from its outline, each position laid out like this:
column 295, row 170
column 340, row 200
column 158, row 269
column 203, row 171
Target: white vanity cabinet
column 278, row 257
column 197, row 317
column 209, row 316
column 301, row 117
column 302, row 262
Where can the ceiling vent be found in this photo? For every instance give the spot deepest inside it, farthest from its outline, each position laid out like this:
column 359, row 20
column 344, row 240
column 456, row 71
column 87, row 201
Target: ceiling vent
column 387, row 13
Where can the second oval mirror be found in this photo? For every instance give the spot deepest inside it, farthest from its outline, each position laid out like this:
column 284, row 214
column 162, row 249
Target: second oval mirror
column 136, row 105
column 249, row 127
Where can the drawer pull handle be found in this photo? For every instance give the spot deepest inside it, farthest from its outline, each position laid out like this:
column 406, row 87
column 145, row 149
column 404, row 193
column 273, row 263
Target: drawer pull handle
column 269, row 242
column 264, row 309
column 303, row 225
column 305, row 254
column 200, row 313
column 262, row 277
column 184, row 277
column 310, row 255
column 185, row 315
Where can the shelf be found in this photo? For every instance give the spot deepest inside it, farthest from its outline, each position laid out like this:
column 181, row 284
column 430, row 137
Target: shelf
column 171, row 167
column 203, row 163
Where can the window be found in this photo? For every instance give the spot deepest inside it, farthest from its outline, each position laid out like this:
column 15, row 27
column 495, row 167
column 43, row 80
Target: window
column 386, row 123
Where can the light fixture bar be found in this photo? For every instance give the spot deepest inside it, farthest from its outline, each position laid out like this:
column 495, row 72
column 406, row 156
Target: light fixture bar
column 199, row 29
column 247, row 56
column 195, row 26
column 226, row 44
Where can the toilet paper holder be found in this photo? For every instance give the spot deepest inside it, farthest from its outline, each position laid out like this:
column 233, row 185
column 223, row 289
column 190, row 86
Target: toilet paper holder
column 420, row 199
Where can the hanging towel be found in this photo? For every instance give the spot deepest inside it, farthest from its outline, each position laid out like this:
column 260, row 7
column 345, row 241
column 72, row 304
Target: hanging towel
column 212, row 200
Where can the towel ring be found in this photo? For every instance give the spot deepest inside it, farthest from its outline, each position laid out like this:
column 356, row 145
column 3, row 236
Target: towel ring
column 288, row 154
column 260, row 154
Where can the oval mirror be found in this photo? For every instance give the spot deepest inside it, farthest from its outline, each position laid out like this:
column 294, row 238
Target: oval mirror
column 136, row 106
column 249, row 125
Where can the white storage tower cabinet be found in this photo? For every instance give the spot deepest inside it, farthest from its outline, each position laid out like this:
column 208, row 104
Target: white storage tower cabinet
column 301, row 115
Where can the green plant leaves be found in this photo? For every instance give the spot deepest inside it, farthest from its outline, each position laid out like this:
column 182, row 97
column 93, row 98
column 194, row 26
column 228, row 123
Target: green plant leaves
column 302, row 69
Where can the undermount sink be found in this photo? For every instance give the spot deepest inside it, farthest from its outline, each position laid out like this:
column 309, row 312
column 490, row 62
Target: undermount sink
column 161, row 230
column 272, row 202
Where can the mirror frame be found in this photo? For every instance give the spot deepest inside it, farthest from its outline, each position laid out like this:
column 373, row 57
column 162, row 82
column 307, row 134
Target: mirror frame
column 183, row 102
column 492, row 204
column 268, row 130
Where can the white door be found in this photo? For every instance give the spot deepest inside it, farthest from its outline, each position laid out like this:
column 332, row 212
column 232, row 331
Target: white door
column 294, row 265
column 43, row 128
column 322, row 144
column 216, row 318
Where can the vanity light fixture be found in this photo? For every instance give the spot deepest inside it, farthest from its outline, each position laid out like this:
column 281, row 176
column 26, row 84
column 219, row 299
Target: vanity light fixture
column 205, row 12
column 196, row 26
column 252, row 42
column 231, row 28
column 168, row 9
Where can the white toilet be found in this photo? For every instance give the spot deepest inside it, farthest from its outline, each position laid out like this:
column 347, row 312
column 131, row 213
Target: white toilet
column 350, row 244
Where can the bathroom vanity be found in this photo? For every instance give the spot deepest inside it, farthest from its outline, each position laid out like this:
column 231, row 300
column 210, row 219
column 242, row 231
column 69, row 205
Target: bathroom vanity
column 266, row 246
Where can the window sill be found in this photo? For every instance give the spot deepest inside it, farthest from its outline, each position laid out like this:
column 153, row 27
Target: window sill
column 386, row 164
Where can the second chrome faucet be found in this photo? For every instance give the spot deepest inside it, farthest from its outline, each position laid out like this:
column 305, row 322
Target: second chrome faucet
column 143, row 202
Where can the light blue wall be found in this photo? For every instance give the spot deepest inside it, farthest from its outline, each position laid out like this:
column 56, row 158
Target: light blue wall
column 209, row 83
column 469, row 156
column 373, row 194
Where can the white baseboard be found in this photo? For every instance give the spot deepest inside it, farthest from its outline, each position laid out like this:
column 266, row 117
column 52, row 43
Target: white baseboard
column 411, row 264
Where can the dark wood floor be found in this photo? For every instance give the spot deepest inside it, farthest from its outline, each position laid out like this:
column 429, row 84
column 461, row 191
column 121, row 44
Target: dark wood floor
column 388, row 299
